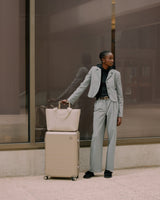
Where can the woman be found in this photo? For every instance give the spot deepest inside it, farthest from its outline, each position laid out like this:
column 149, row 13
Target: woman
column 106, row 87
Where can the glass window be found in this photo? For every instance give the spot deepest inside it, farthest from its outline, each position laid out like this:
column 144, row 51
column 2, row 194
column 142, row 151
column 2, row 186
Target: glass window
column 137, row 57
column 13, row 101
column 69, row 36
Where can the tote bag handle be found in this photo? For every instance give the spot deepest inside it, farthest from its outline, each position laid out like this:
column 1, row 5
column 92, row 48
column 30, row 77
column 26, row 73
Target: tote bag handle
column 59, row 105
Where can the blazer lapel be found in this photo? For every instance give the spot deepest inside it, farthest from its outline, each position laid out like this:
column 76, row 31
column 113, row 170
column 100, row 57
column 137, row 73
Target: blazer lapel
column 109, row 74
column 98, row 73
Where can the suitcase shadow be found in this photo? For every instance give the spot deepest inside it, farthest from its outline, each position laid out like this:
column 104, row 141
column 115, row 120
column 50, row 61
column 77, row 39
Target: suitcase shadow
column 62, row 178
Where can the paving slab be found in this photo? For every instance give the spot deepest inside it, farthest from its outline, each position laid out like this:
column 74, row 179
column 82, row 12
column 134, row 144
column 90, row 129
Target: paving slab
column 126, row 184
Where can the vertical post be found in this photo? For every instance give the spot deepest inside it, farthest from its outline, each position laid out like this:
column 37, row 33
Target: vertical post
column 32, row 71
column 113, row 26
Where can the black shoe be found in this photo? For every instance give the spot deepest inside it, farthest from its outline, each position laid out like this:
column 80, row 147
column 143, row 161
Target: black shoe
column 107, row 174
column 88, row 174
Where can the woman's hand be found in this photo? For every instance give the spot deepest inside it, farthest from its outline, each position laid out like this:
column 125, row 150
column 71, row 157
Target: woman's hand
column 64, row 101
column 119, row 121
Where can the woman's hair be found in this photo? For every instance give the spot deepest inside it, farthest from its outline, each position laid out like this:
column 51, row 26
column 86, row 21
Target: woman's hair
column 103, row 54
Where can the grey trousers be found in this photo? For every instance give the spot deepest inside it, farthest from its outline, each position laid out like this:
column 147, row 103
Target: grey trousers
column 105, row 116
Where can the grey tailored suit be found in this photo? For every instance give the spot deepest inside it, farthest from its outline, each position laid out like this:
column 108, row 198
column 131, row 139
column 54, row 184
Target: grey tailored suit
column 105, row 114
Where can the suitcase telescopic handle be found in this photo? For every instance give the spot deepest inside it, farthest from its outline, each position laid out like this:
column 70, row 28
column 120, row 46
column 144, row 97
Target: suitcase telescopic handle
column 59, row 104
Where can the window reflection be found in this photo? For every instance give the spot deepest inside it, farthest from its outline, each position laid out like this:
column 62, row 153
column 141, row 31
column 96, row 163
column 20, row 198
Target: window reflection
column 13, row 101
column 69, row 36
column 137, row 57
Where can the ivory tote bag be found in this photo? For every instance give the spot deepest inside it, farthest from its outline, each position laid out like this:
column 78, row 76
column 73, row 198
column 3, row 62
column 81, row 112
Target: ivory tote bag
column 58, row 119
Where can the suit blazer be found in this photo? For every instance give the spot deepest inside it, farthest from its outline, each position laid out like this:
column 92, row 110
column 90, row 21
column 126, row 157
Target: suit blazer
column 93, row 78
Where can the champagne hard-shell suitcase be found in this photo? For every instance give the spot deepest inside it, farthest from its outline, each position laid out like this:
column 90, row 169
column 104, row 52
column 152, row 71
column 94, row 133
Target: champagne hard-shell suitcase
column 62, row 154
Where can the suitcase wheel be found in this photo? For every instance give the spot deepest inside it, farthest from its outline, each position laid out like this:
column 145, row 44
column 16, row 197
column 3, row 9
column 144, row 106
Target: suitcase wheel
column 74, row 178
column 45, row 177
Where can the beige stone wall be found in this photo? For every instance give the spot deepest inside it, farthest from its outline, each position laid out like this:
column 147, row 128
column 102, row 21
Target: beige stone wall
column 32, row 162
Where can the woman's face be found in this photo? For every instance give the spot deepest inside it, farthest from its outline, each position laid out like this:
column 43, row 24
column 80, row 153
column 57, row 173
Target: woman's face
column 108, row 59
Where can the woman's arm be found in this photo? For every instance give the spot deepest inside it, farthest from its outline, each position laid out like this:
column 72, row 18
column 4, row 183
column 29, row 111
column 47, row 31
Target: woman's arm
column 82, row 71
column 79, row 91
column 119, row 94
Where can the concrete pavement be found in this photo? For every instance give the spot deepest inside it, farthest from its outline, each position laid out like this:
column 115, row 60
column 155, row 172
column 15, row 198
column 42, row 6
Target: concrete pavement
column 126, row 184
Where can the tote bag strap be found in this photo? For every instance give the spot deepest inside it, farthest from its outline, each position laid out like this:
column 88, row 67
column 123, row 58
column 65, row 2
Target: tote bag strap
column 59, row 104
column 63, row 113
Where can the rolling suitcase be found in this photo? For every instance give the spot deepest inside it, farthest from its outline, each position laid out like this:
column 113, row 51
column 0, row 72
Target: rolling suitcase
column 62, row 154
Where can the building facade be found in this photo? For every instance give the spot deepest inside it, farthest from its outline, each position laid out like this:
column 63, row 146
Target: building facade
column 47, row 47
